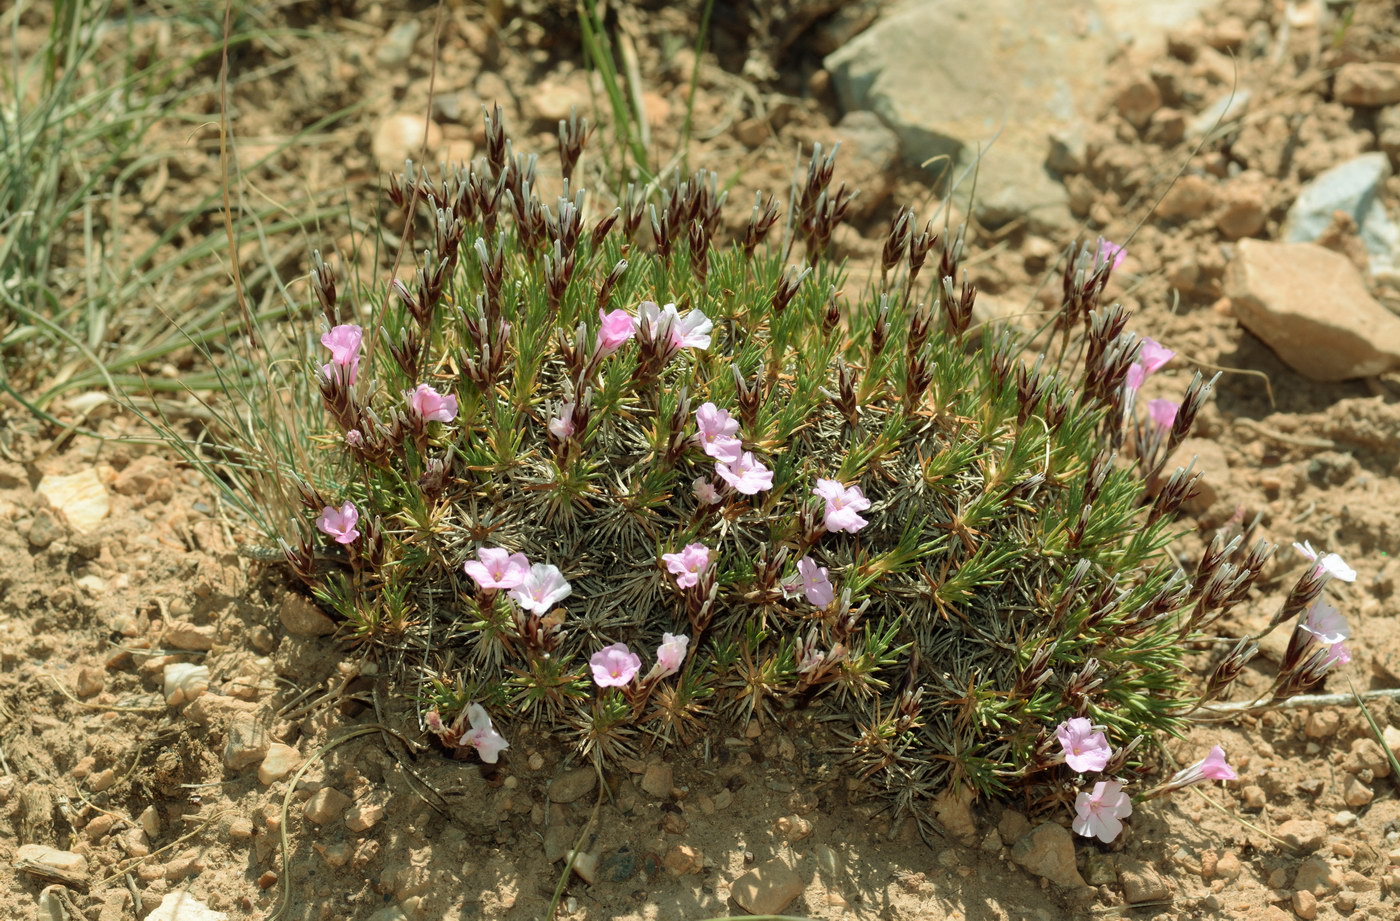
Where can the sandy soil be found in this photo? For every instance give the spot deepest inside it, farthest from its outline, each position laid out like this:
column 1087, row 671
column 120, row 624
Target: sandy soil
column 377, row 824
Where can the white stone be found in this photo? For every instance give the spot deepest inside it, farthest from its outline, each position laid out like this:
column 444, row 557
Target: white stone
column 402, row 137
column 181, row 906
column 279, row 761
column 81, row 498
column 1354, row 187
column 184, row 682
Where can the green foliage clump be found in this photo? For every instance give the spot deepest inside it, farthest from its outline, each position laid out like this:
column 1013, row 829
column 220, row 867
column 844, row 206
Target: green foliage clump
column 1012, row 574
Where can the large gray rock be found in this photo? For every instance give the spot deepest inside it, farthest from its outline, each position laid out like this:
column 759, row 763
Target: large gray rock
column 1353, row 187
column 1310, row 306
column 951, row 77
column 1048, row 851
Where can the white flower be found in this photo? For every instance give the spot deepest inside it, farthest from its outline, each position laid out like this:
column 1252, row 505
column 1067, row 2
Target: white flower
column 1330, row 563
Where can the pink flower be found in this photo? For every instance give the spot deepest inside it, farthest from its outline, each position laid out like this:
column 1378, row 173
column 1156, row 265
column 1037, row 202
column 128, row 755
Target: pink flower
column 354, row 438
column 618, row 326
column 671, row 653
column 843, row 506
column 541, row 589
column 815, row 584
column 1330, row 563
column 688, row 565
column 705, row 492
column 1111, row 252
column 496, row 567
column 434, row 721
column 562, row 426
column 689, row 332
column 1151, row 358
column 340, row 523
column 1211, row 767
column 344, row 343
column 483, row 737
column 746, row 475
column 614, row 666
column 1325, row 623
column 1100, row 813
column 1337, row 654
column 717, row 431
column 1163, row 412
column 431, row 406
column 1085, row 748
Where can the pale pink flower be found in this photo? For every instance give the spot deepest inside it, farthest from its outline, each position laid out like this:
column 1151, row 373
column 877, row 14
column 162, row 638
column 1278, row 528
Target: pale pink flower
column 483, row 737
column 1085, row 748
column 1111, row 252
column 688, row 565
column 671, row 653
column 1163, row 412
column 1325, row 623
column 1337, row 654
column 344, row 342
column 705, row 492
column 1211, row 767
column 746, row 475
column 815, row 583
column 689, row 332
column 1331, row 563
column 339, row 523
column 614, row 666
column 843, row 505
column 562, row 425
column 618, row 326
column 717, row 430
column 496, row 568
column 1151, row 358
column 354, row 438
column 434, row 721
column 431, row 406
column 541, row 589
column 1100, row 813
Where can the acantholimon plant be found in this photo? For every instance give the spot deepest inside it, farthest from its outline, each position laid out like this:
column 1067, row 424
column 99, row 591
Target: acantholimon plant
column 629, row 481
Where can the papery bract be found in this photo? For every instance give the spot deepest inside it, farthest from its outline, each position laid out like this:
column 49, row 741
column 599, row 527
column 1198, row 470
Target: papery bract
column 1331, row 563
column 843, row 505
column 746, row 475
column 541, row 589
column 614, row 666
column 1085, row 747
column 339, row 523
column 1100, row 812
column 617, row 327
column 483, row 736
column 671, row 653
column 497, row 568
column 431, row 406
column 688, row 565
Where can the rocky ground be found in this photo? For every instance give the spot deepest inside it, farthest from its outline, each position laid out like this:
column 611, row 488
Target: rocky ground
column 180, row 724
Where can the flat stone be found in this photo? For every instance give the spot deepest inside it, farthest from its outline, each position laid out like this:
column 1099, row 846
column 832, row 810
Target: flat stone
column 572, row 785
column 1302, row 834
column 64, row 864
column 184, row 635
column 683, row 860
column 81, row 498
column 1311, row 307
column 181, row 906
column 1368, row 84
column 363, row 816
column 1140, row 882
column 325, row 805
column 768, row 888
column 302, row 618
column 1048, row 851
column 1352, row 187
column 994, row 85
column 1317, row 876
column 246, row 745
column 279, row 761
column 658, row 780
